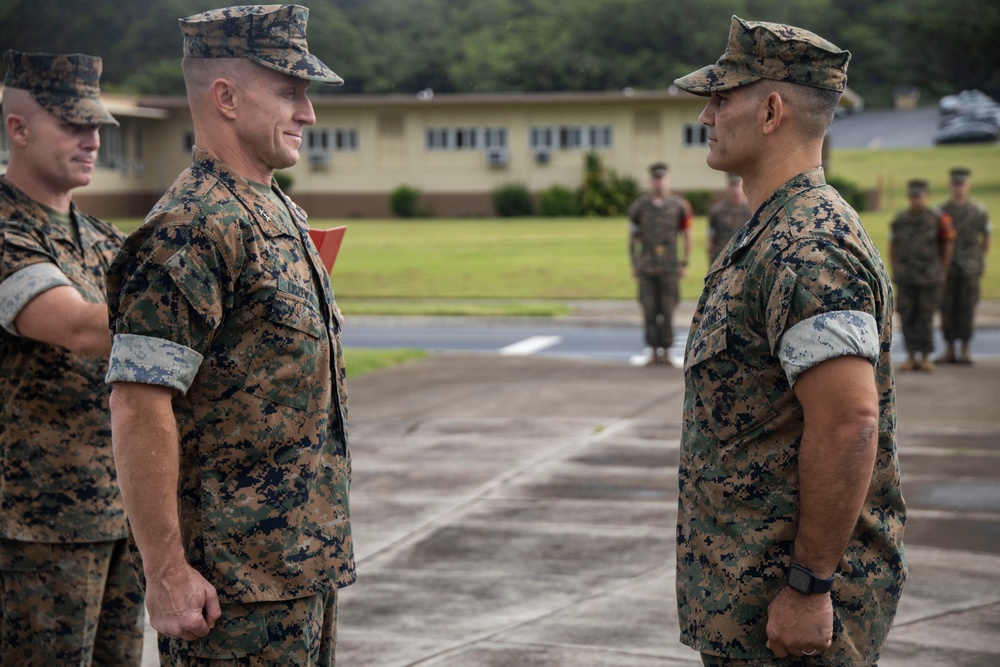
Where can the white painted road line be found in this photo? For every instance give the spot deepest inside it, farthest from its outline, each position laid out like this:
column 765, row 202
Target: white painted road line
column 531, row 345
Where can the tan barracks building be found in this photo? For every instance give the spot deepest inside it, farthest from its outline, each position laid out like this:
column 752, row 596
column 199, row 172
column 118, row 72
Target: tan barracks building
column 455, row 148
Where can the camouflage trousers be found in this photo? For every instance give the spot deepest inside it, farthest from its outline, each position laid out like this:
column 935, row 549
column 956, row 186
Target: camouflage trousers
column 958, row 306
column 715, row 661
column 69, row 605
column 658, row 294
column 916, row 305
column 300, row 632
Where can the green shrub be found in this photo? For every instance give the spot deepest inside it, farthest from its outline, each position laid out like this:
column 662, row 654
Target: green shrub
column 512, row 200
column 558, row 201
column 604, row 191
column 850, row 191
column 284, row 181
column 700, row 200
column 404, row 201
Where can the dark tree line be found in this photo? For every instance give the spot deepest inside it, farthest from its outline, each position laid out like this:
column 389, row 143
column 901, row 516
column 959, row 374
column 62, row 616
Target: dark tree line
column 403, row 46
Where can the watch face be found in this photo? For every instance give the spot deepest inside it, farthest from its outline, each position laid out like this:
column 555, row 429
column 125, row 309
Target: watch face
column 799, row 580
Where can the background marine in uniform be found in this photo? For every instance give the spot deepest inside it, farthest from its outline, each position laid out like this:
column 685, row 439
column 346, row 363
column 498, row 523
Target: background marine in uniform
column 657, row 220
column 726, row 216
column 921, row 239
column 69, row 595
column 971, row 223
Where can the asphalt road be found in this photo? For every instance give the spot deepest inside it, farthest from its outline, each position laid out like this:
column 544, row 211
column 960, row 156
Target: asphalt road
column 885, row 128
column 553, row 340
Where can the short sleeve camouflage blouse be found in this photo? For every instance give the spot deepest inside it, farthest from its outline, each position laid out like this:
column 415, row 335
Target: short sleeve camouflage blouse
column 222, row 297
column 800, row 283
column 59, row 482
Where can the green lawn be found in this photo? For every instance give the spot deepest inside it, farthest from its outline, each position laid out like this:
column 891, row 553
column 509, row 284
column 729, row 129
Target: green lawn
column 530, row 265
column 887, row 171
column 360, row 360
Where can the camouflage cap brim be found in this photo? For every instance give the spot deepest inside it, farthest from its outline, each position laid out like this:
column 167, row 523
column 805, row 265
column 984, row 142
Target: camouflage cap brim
column 303, row 66
column 79, row 111
column 714, row 79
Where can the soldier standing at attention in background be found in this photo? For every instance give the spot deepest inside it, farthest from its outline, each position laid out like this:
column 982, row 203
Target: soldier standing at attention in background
column 790, row 515
column 726, row 216
column 229, row 411
column 921, row 239
column 657, row 218
column 961, row 292
column 69, row 595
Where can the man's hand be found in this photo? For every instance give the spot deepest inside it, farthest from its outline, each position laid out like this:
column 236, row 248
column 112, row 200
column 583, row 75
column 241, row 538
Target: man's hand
column 181, row 603
column 799, row 624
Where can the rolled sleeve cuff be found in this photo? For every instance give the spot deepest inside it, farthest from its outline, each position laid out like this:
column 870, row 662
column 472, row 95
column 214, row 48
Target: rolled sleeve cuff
column 24, row 285
column 827, row 336
column 149, row 360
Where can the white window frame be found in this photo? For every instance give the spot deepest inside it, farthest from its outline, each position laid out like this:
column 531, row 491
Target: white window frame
column 345, row 139
column 465, row 138
column 694, row 134
column 542, row 137
column 600, row 136
column 113, row 153
column 572, row 137
column 318, row 140
column 437, row 139
column 494, row 137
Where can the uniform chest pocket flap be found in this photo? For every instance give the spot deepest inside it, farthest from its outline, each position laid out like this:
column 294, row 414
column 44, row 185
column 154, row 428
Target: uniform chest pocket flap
column 732, row 400
column 710, row 339
column 287, row 352
column 291, row 311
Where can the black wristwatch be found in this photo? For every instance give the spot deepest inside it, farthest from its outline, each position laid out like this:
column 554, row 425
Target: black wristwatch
column 805, row 581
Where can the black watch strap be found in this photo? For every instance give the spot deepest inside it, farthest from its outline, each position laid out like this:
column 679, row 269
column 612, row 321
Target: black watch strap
column 805, row 581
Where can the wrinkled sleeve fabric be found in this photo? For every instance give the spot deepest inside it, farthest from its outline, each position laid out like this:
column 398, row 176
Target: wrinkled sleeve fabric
column 18, row 290
column 166, row 292
column 27, row 269
column 822, row 305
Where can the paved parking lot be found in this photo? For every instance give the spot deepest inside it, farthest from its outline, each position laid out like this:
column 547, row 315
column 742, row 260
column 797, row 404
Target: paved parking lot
column 519, row 511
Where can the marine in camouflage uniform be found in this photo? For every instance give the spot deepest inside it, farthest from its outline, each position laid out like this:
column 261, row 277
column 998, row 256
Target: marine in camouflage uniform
column 789, row 535
column 657, row 219
column 726, row 216
column 69, row 596
column 920, row 247
column 961, row 291
column 224, row 318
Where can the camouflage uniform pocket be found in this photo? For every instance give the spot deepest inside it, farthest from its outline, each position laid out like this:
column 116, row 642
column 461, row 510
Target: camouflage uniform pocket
column 232, row 638
column 286, row 352
column 732, row 401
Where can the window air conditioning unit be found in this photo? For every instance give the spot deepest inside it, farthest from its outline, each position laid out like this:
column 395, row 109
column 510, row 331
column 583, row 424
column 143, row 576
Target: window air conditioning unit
column 319, row 159
column 542, row 157
column 496, row 157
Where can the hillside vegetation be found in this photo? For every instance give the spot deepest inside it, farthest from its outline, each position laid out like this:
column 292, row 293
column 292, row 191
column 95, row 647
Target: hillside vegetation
column 404, row 46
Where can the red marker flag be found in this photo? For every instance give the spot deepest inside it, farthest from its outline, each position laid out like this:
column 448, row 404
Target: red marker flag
column 328, row 243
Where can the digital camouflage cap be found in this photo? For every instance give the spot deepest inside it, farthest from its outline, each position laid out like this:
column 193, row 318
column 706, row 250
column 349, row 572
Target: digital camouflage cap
column 959, row 175
column 759, row 50
column 68, row 86
column 270, row 35
column 658, row 169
